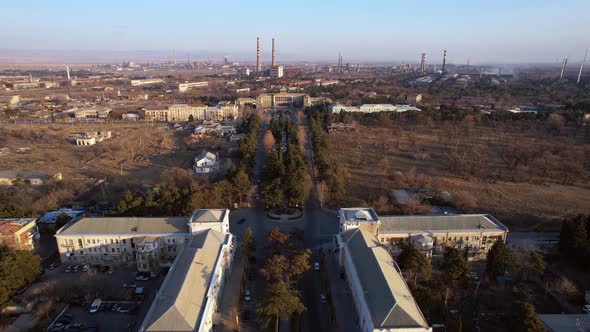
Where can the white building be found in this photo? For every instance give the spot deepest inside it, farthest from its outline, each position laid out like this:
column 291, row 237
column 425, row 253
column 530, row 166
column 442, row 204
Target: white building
column 383, row 302
column 206, row 163
column 371, row 108
column 190, row 295
column 92, row 112
column 146, row 81
column 89, row 137
column 10, row 101
column 184, row 87
column 276, row 72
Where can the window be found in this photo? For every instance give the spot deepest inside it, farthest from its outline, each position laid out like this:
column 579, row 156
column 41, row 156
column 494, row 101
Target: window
column 124, row 241
column 88, row 241
column 112, row 241
column 80, row 243
column 93, row 241
column 381, row 240
column 173, row 240
column 117, row 241
column 118, row 249
column 112, row 249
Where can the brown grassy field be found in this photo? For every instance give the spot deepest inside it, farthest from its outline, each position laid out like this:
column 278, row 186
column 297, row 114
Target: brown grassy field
column 136, row 154
column 379, row 159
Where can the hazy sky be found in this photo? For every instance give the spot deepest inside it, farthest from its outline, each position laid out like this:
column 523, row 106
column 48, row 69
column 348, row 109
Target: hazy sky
column 368, row 30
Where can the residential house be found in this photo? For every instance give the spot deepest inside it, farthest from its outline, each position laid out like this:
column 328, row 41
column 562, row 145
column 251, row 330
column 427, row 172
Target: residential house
column 206, row 163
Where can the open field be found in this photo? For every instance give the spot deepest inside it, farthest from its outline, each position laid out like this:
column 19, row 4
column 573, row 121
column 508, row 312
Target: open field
column 380, row 159
column 136, row 154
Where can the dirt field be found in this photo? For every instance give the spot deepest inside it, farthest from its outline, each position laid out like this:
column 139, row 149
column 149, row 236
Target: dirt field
column 136, row 154
column 372, row 156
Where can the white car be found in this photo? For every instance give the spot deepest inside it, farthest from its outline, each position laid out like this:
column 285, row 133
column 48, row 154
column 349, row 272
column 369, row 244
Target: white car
column 316, row 266
column 586, row 308
column 323, row 298
column 247, row 295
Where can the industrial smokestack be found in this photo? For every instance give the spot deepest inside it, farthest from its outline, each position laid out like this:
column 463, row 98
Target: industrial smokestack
column 173, row 56
column 563, row 69
column 582, row 67
column 68, row 72
column 258, row 65
column 444, row 61
column 274, row 63
column 423, row 64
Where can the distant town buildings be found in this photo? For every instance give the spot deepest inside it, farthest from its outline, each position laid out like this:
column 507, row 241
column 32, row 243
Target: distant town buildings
column 9, row 101
column 370, row 108
column 19, row 233
column 91, row 112
column 89, row 137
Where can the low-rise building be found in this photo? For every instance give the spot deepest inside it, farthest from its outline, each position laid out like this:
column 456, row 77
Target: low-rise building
column 19, row 233
column 184, row 112
column 33, row 178
column 206, row 163
column 184, row 87
column 10, row 101
column 149, row 243
column 89, row 137
column 191, row 293
column 92, row 113
column 146, row 81
column 371, row 108
column 49, row 221
column 380, row 295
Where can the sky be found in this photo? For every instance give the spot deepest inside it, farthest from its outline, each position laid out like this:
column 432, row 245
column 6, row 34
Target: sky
column 485, row 31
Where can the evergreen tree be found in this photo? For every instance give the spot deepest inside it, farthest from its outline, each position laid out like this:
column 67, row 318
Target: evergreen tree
column 499, row 259
column 414, row 261
column 455, row 265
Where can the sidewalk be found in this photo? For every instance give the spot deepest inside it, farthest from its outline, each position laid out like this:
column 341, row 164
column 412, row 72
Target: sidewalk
column 341, row 298
column 229, row 306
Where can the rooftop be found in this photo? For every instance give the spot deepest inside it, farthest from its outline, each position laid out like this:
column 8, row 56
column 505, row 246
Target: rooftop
column 126, row 225
column 457, row 222
column 566, row 323
column 51, row 217
column 388, row 297
column 9, row 226
column 208, row 215
column 359, row 214
column 23, row 173
column 179, row 303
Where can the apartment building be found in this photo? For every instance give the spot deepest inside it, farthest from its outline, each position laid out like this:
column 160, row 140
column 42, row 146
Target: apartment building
column 184, row 87
column 146, row 81
column 92, row 113
column 276, row 72
column 89, row 137
column 147, row 242
column 191, row 292
column 475, row 233
column 379, row 293
column 280, row 100
column 19, row 233
column 183, row 112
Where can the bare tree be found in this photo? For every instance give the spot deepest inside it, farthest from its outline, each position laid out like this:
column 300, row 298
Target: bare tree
column 268, row 141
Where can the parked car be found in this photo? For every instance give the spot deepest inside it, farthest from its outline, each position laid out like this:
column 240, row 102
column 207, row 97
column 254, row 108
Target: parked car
column 323, row 297
column 74, row 326
column 85, row 268
column 123, row 309
column 53, row 266
column 153, row 274
column 586, row 308
column 142, row 276
column 57, row 326
column 111, row 270
column 95, row 305
column 68, row 269
column 129, row 285
column 247, row 295
column 115, row 307
column 316, row 266
column 76, row 268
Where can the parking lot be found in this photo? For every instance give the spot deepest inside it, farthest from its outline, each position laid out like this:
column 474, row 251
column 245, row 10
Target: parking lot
column 124, row 300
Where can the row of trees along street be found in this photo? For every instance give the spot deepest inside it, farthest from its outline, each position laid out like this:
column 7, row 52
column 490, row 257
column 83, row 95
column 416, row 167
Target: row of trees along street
column 18, row 268
column 332, row 176
column 282, row 271
column 285, row 180
column 182, row 199
column 451, row 289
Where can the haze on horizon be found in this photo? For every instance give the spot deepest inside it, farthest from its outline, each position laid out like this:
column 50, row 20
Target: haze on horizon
column 523, row 31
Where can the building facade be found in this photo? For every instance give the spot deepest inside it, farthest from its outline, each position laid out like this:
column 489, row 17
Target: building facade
column 148, row 243
column 280, row 100
column 370, row 108
column 183, row 112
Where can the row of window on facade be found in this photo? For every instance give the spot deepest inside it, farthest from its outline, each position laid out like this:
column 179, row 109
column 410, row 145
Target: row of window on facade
column 399, row 240
column 105, row 241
